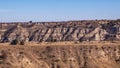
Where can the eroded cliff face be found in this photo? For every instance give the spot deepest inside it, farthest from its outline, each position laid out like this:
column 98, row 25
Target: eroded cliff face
column 93, row 30
column 60, row 57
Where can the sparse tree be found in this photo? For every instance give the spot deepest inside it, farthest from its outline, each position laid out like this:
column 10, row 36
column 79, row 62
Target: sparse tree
column 30, row 21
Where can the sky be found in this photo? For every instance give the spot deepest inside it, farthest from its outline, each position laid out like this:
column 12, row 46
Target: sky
column 58, row 10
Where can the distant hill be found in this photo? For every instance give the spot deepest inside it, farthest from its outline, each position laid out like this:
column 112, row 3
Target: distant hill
column 84, row 30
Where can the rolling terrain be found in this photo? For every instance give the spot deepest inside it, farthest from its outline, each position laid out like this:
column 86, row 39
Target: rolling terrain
column 70, row 44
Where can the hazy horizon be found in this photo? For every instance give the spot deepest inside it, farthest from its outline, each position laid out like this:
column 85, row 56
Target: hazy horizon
column 58, row 10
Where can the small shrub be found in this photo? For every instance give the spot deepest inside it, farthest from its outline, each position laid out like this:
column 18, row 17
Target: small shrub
column 22, row 42
column 53, row 40
column 57, row 60
column 15, row 42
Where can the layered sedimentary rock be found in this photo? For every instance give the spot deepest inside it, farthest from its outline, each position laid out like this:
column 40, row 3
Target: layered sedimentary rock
column 61, row 56
column 86, row 30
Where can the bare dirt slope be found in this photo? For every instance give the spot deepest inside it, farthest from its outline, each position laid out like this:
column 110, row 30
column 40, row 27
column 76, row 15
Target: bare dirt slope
column 77, row 56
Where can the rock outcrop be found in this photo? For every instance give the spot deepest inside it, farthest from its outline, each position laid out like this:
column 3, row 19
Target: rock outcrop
column 54, row 55
column 86, row 30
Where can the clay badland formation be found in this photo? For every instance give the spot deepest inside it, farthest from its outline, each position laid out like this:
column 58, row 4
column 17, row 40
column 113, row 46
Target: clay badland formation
column 70, row 44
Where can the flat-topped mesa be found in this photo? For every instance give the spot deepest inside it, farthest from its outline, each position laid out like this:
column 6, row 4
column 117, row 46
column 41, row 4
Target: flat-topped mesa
column 85, row 30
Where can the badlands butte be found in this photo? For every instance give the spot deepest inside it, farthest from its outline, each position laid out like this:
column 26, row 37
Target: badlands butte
column 67, row 44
